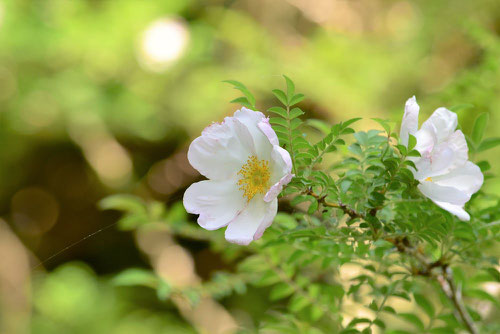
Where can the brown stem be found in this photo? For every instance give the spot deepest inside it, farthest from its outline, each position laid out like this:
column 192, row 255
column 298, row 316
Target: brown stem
column 426, row 267
column 322, row 200
column 444, row 277
column 455, row 295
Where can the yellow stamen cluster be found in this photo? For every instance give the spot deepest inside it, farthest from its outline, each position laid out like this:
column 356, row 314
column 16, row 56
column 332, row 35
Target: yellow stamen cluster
column 428, row 179
column 254, row 177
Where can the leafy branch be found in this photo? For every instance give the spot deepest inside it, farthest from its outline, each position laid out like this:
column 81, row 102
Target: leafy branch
column 287, row 122
column 403, row 245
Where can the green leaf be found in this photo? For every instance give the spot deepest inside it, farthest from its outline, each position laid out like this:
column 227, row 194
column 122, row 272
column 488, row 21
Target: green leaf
column 488, row 143
column 299, row 199
column 290, row 87
column 384, row 124
column 347, row 131
column 389, row 309
column 278, row 121
column 484, row 166
column 494, row 273
column 313, row 207
column 295, row 123
column 279, row 111
column 424, row 304
column 280, row 95
column 356, row 321
column 412, row 141
column 413, row 153
column 412, row 318
column 269, row 278
column 298, row 302
column 243, row 101
column 479, row 127
column 164, row 290
column 296, row 99
column 379, row 323
column 242, row 88
column 483, row 295
column 316, row 312
column 136, row 276
column 296, row 112
column 123, row 202
column 236, row 84
column 350, row 121
column 280, row 291
column 318, row 125
column 470, row 143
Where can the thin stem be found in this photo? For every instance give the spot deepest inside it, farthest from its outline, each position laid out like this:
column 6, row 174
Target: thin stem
column 455, row 295
column 426, row 266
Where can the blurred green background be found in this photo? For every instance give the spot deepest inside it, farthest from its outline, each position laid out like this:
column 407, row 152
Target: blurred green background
column 100, row 97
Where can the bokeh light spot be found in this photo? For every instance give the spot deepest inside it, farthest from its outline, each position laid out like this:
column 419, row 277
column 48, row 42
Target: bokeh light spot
column 34, row 210
column 163, row 42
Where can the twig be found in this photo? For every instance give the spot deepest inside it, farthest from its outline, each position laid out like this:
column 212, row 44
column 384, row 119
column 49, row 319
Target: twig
column 426, row 267
column 444, row 277
column 455, row 295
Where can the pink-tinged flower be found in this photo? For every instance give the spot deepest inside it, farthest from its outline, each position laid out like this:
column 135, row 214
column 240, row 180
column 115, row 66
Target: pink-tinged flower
column 246, row 170
column 443, row 170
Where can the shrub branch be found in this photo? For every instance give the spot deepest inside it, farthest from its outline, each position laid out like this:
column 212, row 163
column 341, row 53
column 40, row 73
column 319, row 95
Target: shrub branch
column 437, row 270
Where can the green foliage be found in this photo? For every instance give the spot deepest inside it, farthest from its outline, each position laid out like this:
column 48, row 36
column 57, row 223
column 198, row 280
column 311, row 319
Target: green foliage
column 248, row 100
column 357, row 235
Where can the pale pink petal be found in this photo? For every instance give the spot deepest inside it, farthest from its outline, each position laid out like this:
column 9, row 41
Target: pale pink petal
column 467, row 178
column 456, row 210
column 426, row 139
column 281, row 173
column 458, row 144
column 251, row 120
column 217, row 202
column 440, row 160
column 441, row 193
column 448, row 155
column 222, row 149
column 276, row 188
column 442, row 122
column 437, row 162
column 266, row 128
column 268, row 219
column 251, row 222
column 409, row 125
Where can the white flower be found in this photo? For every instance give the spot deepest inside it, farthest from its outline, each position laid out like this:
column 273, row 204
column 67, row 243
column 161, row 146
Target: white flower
column 246, row 168
column 443, row 170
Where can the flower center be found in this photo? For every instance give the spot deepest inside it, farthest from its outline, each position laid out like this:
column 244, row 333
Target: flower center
column 428, row 179
column 254, row 177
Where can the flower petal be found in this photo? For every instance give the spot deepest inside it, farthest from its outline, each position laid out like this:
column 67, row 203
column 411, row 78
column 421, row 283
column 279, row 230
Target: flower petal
column 456, row 210
column 426, row 139
column 217, row 202
column 442, row 122
column 251, row 222
column 251, row 120
column 437, row 162
column 268, row 219
column 281, row 174
column 467, row 178
column 441, row 193
column 267, row 129
column 222, row 149
column 409, row 125
column 458, row 144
